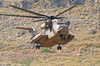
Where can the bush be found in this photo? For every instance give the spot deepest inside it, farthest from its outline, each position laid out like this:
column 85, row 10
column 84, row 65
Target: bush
column 26, row 62
column 45, row 50
column 98, row 46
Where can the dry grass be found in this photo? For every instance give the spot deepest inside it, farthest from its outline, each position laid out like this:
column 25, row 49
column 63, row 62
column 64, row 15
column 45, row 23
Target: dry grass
column 83, row 51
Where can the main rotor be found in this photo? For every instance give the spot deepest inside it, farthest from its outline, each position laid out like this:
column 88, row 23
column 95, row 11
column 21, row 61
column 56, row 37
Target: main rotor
column 46, row 18
column 38, row 15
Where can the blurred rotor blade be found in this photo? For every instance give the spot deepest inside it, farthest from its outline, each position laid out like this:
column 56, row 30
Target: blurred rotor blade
column 73, row 17
column 40, row 20
column 65, row 11
column 23, row 16
column 24, row 28
column 28, row 11
column 78, row 17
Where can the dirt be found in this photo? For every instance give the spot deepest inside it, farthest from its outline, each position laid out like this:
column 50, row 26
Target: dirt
column 84, row 50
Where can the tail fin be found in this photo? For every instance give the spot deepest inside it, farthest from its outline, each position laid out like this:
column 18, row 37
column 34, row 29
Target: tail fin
column 31, row 30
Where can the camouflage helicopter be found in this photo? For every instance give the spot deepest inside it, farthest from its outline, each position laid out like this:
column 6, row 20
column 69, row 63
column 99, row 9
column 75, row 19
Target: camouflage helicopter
column 54, row 32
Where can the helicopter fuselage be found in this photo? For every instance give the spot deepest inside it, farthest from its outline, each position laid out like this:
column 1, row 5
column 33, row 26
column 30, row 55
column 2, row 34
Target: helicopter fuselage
column 53, row 32
column 51, row 38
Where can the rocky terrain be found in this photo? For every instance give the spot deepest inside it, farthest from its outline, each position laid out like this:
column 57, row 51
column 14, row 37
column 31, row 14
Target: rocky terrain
column 84, row 50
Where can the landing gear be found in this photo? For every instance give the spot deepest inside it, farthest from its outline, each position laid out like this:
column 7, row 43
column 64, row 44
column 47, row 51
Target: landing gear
column 69, row 36
column 62, row 37
column 37, row 46
column 59, row 47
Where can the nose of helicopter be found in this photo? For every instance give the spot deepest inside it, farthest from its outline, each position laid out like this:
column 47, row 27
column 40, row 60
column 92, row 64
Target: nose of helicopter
column 63, row 30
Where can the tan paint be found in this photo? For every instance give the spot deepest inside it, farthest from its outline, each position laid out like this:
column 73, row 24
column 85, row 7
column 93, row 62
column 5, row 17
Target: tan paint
column 51, row 38
column 36, row 38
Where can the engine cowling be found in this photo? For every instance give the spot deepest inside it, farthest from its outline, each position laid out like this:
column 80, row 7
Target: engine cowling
column 44, row 26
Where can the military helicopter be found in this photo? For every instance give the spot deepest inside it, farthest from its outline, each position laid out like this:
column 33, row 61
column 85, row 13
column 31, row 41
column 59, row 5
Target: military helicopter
column 54, row 32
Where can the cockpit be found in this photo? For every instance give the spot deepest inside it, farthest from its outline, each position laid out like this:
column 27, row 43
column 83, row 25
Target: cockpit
column 62, row 23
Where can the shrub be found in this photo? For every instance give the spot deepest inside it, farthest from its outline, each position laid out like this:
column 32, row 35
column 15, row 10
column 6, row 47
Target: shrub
column 45, row 50
column 98, row 46
column 26, row 62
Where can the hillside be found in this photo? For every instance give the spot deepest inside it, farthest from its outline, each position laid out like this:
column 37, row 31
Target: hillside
column 30, row 4
column 84, row 50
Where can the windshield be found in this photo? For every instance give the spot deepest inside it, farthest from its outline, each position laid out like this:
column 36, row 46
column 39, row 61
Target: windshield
column 62, row 23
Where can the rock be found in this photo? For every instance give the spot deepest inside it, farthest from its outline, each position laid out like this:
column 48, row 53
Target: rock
column 79, row 60
column 98, row 8
column 89, row 1
column 92, row 65
column 83, row 50
column 8, row 65
column 21, row 33
column 68, row 51
column 92, row 32
column 6, row 3
column 1, row 64
column 79, row 54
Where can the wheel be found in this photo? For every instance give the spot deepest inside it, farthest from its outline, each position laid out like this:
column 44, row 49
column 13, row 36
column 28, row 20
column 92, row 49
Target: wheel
column 62, row 37
column 69, row 36
column 37, row 46
column 59, row 48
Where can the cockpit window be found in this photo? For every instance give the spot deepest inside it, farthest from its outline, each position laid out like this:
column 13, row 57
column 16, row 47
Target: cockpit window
column 62, row 23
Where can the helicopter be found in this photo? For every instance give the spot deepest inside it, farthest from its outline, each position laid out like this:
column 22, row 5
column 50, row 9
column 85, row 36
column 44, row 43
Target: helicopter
column 54, row 32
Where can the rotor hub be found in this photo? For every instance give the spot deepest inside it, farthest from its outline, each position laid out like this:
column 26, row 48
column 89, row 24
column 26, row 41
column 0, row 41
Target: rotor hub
column 53, row 17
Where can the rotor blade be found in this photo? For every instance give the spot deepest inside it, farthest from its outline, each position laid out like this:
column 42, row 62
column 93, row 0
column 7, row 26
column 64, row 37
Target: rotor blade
column 40, row 20
column 69, row 17
column 73, row 16
column 23, row 16
column 28, row 11
column 24, row 28
column 65, row 11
